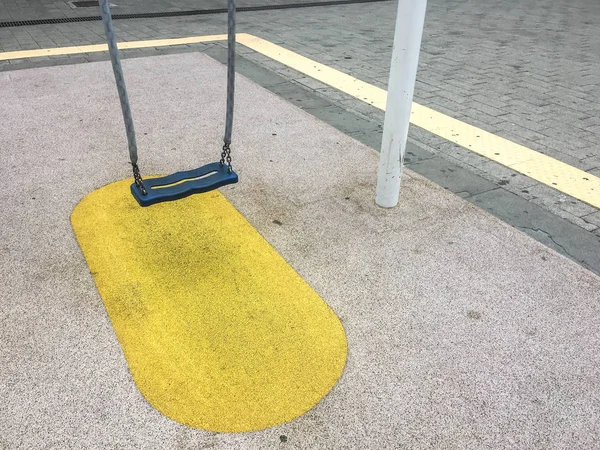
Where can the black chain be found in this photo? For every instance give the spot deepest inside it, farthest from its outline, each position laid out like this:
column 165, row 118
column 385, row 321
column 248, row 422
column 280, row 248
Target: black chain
column 137, row 176
column 226, row 157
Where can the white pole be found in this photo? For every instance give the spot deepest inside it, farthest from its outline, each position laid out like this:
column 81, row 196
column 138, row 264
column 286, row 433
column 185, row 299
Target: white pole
column 403, row 72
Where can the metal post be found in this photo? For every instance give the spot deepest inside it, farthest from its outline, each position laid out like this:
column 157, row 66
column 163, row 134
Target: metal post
column 410, row 19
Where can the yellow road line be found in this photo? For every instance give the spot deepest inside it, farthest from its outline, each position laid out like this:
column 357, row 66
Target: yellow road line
column 545, row 169
column 219, row 331
column 104, row 48
column 540, row 167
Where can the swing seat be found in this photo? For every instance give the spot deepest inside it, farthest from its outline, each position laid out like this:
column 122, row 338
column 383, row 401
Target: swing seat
column 183, row 184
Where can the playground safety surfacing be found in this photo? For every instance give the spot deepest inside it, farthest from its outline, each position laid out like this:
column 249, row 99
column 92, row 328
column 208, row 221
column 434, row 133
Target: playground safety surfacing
column 219, row 332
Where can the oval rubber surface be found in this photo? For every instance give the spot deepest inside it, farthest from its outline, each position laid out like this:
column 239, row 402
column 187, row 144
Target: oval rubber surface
column 219, row 331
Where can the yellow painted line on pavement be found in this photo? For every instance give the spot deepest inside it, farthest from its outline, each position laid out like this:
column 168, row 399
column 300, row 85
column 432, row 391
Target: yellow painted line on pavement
column 219, row 331
column 59, row 51
column 545, row 169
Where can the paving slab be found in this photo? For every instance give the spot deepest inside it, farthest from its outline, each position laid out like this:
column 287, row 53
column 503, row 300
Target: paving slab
column 463, row 332
column 59, row 9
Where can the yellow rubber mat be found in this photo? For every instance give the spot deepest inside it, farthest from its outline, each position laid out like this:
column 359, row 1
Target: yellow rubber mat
column 219, row 331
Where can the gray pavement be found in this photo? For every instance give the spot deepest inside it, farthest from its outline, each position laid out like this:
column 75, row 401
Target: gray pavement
column 553, row 231
column 463, row 332
column 527, row 71
column 18, row 10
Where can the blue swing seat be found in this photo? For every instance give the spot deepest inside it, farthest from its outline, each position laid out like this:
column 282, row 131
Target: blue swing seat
column 183, row 184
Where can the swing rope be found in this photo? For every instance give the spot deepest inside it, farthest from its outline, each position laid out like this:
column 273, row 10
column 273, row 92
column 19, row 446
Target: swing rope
column 120, row 81
column 226, row 153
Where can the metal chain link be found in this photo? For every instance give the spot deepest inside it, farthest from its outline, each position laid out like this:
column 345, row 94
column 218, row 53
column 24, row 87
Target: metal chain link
column 138, row 179
column 226, row 157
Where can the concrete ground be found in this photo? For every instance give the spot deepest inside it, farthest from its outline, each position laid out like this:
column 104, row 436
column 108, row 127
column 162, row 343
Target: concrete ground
column 463, row 332
column 526, row 71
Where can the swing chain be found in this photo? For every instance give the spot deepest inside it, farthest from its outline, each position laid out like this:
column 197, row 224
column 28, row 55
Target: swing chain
column 137, row 176
column 226, row 157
